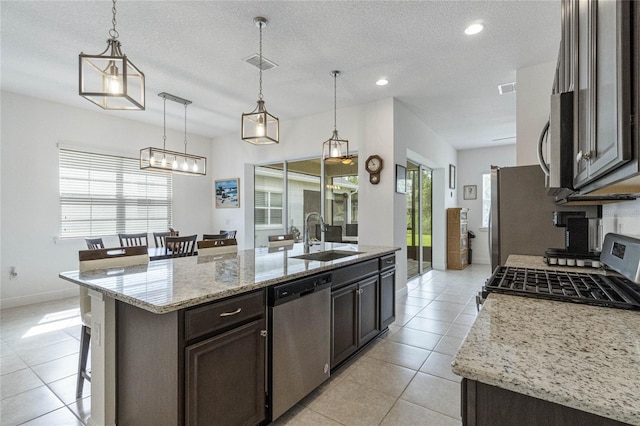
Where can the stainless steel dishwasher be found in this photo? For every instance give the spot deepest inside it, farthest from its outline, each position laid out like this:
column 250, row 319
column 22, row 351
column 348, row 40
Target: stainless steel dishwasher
column 300, row 340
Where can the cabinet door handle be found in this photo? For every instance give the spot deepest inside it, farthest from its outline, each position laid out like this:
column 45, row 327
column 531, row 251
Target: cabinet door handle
column 583, row 156
column 228, row 314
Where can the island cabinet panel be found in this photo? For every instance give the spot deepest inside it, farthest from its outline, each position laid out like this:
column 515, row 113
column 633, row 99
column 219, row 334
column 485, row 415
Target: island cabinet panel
column 368, row 309
column 148, row 373
column 203, row 365
column 355, row 309
column 387, row 290
column 224, row 378
column 486, row 405
column 344, row 328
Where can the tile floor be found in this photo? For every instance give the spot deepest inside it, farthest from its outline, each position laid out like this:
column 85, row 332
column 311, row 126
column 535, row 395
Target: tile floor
column 403, row 378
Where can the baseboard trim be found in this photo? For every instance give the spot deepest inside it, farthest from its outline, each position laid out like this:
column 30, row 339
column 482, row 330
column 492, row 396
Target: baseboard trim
column 31, row 299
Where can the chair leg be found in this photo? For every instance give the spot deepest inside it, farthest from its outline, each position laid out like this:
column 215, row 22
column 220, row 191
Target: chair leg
column 85, row 339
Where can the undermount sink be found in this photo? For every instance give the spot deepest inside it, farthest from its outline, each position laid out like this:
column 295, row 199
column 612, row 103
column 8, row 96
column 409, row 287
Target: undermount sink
column 326, row 256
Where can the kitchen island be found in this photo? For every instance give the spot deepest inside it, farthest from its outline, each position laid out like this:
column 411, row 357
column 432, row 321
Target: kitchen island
column 533, row 361
column 157, row 326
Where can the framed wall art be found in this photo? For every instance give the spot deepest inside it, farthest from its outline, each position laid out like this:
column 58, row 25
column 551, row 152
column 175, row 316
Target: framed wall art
column 227, row 193
column 470, row 192
column 401, row 179
column 452, row 176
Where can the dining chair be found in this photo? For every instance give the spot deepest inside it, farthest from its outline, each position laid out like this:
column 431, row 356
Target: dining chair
column 130, row 240
column 181, row 246
column 102, row 258
column 280, row 240
column 158, row 238
column 212, row 247
column 333, row 234
column 94, row 243
column 221, row 236
column 230, row 234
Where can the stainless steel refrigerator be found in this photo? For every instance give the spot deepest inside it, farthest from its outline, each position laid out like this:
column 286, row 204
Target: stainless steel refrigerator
column 521, row 217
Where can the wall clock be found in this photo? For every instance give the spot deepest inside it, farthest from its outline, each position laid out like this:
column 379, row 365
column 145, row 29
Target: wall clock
column 374, row 167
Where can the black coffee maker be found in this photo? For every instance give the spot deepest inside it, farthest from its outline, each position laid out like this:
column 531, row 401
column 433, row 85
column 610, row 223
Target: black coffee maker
column 580, row 234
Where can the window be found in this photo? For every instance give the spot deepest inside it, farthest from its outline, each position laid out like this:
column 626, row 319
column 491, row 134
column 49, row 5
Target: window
column 268, row 208
column 486, row 199
column 106, row 195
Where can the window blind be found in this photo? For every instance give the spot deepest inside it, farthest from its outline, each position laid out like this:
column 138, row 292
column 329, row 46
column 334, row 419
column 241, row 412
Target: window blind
column 106, row 195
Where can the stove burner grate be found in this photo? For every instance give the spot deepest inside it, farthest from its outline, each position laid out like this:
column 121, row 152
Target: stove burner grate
column 596, row 289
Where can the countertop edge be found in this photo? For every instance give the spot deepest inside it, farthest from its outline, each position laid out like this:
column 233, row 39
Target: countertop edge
column 503, row 376
column 163, row 309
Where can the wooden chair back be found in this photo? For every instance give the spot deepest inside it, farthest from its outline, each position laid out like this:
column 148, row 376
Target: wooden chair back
column 181, row 246
column 221, row 236
column 281, row 240
column 230, row 234
column 131, row 240
column 113, row 257
column 106, row 258
column 158, row 238
column 212, row 247
column 94, row 243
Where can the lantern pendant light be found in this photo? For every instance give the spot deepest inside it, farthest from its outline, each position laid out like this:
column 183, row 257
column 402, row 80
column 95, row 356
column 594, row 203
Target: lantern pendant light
column 259, row 127
column 109, row 79
column 171, row 161
column 336, row 150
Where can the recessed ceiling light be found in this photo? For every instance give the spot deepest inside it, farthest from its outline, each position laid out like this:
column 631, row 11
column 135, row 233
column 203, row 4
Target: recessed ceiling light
column 473, row 29
column 382, row 82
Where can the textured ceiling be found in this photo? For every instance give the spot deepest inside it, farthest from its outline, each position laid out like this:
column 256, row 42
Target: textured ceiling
column 194, row 49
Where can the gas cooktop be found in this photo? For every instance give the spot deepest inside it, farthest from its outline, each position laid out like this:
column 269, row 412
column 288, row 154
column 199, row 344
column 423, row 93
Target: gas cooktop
column 620, row 253
column 595, row 289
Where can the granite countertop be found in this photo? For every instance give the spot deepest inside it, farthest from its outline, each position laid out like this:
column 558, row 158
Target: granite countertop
column 168, row 285
column 580, row 356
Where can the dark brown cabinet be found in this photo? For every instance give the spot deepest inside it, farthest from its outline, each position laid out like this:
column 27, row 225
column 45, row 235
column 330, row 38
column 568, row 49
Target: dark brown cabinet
column 224, row 378
column 202, row 365
column 486, row 405
column 596, row 64
column 387, row 298
column 355, row 309
column 387, row 290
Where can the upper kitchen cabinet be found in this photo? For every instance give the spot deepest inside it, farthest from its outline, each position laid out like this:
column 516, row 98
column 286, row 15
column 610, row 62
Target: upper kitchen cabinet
column 596, row 64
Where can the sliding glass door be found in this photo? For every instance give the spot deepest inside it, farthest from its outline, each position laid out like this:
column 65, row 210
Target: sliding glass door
column 419, row 187
column 286, row 192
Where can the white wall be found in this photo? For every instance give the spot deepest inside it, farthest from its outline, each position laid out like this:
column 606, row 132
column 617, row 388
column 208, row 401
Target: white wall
column 533, row 91
column 31, row 130
column 414, row 140
column 473, row 163
column 386, row 128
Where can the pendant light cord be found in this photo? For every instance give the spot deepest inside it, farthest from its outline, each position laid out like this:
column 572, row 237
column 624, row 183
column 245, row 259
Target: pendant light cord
column 113, row 32
column 185, row 128
column 164, row 125
column 335, row 108
column 260, row 93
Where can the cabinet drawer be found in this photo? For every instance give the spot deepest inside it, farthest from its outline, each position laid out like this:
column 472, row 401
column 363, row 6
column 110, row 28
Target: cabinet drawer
column 221, row 315
column 387, row 262
column 352, row 273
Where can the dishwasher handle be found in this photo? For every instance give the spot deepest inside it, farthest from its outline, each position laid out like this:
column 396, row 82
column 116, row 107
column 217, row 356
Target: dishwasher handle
column 283, row 293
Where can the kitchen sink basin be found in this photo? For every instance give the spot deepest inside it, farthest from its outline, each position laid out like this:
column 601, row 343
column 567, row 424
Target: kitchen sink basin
column 326, row 256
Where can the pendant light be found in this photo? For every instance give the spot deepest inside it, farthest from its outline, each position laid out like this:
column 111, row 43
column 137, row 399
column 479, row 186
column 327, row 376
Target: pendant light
column 259, row 127
column 336, row 150
column 109, row 79
column 172, row 161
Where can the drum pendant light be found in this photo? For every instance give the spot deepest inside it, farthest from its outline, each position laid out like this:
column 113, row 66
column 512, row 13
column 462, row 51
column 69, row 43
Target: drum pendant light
column 109, row 79
column 259, row 127
column 336, row 150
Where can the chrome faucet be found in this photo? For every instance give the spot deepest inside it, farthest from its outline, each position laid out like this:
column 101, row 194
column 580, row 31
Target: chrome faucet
column 307, row 236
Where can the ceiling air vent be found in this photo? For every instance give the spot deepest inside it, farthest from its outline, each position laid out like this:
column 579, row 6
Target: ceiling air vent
column 255, row 61
column 503, row 89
